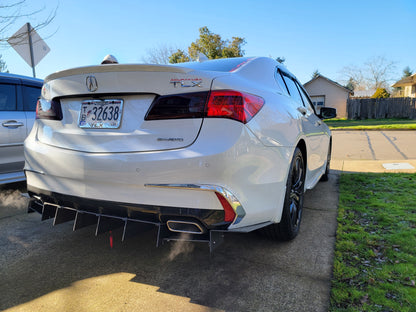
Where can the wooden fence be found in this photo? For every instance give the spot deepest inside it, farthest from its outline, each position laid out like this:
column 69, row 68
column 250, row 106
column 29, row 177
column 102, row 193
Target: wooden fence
column 381, row 108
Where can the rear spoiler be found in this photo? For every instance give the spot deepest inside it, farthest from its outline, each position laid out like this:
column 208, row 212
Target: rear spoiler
column 118, row 68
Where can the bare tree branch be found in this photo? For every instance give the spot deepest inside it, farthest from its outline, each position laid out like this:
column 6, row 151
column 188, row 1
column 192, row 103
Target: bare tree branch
column 11, row 13
column 376, row 73
column 159, row 54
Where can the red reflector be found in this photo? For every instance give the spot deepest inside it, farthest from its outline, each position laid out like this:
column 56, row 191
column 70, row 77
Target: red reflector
column 234, row 105
column 228, row 210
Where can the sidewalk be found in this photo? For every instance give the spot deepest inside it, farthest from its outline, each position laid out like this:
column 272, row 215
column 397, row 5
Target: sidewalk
column 376, row 166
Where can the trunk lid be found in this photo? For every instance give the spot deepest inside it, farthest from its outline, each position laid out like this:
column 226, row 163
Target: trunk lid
column 133, row 88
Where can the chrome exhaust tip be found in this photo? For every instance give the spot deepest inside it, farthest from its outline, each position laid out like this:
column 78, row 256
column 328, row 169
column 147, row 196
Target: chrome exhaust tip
column 188, row 227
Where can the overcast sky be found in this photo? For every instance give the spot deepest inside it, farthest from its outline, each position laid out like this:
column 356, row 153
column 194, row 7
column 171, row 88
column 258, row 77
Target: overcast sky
column 323, row 35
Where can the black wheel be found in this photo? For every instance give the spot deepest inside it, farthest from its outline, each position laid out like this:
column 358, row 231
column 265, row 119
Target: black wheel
column 325, row 176
column 289, row 224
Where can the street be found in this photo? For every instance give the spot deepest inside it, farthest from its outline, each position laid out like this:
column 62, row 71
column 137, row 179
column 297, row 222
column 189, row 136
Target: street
column 374, row 151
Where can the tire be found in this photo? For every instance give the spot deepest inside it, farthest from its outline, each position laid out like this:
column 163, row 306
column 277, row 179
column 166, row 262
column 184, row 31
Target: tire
column 289, row 225
column 325, row 176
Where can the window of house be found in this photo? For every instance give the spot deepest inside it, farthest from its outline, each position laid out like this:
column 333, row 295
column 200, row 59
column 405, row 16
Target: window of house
column 318, row 101
column 7, row 97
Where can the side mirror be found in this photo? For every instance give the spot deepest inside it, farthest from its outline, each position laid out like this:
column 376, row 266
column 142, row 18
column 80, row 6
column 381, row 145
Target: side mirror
column 327, row 113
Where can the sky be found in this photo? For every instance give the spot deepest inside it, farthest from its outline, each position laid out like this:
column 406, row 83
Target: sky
column 323, row 35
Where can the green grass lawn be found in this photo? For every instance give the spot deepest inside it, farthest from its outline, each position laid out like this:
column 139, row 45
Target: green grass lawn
column 375, row 256
column 372, row 124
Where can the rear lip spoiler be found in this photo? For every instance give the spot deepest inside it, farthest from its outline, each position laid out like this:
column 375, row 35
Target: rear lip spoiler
column 118, row 68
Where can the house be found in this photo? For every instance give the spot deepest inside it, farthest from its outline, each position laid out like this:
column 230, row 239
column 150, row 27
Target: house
column 325, row 92
column 364, row 93
column 407, row 86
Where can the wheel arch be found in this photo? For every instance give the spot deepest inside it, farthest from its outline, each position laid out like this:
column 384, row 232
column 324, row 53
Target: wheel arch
column 302, row 146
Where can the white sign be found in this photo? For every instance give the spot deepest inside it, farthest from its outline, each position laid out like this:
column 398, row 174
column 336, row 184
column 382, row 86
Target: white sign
column 20, row 42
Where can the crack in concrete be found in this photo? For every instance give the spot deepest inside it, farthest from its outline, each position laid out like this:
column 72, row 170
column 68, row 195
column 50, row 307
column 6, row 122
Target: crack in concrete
column 394, row 145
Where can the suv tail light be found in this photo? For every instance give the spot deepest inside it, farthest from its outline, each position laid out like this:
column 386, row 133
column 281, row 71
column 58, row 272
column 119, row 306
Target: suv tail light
column 48, row 109
column 220, row 104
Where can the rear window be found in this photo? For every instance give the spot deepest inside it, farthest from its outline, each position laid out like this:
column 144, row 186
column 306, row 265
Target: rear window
column 7, row 97
column 221, row 65
column 30, row 97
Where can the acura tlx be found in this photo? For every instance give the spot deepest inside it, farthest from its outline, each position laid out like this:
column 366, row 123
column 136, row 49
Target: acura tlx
column 201, row 148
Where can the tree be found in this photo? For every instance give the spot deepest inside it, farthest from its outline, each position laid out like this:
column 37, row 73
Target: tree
column 14, row 11
column 315, row 74
column 211, row 45
column 214, row 47
column 376, row 73
column 379, row 71
column 179, row 57
column 3, row 67
column 380, row 93
column 281, row 60
column 350, row 84
column 159, row 55
column 354, row 75
column 407, row 72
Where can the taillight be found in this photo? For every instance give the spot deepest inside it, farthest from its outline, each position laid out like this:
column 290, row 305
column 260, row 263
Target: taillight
column 229, row 213
column 234, row 105
column 230, row 104
column 48, row 109
column 177, row 106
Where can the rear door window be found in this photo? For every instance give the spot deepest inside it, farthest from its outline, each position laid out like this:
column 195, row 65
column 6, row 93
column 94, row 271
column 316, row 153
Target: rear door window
column 307, row 102
column 293, row 90
column 7, row 97
column 30, row 97
column 280, row 82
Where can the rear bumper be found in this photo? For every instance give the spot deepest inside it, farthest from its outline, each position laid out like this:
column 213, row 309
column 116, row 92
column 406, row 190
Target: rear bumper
column 172, row 223
column 208, row 219
column 254, row 174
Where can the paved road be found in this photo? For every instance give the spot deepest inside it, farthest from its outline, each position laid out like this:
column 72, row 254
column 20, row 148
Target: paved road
column 370, row 150
column 46, row 268
column 374, row 145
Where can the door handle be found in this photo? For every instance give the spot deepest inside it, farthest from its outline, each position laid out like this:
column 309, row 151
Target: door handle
column 12, row 124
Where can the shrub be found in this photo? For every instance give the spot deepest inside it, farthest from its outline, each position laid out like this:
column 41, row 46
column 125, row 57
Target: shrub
column 380, row 93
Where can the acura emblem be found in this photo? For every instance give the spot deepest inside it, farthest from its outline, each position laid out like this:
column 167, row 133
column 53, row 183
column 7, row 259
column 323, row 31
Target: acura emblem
column 91, row 83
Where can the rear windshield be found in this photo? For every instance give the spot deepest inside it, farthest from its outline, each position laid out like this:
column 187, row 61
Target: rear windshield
column 221, row 65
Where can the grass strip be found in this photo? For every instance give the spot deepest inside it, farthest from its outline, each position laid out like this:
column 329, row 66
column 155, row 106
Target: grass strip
column 371, row 124
column 375, row 253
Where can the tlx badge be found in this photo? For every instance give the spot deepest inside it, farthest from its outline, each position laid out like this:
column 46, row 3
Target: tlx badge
column 186, row 83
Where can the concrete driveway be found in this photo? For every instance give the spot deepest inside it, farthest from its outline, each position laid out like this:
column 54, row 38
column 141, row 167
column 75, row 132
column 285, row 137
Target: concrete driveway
column 46, row 268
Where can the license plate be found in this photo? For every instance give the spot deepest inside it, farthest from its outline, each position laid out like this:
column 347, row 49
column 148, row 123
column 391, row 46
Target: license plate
column 101, row 114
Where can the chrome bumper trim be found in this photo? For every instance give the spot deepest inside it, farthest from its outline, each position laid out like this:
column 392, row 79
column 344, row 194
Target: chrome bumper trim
column 232, row 200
